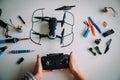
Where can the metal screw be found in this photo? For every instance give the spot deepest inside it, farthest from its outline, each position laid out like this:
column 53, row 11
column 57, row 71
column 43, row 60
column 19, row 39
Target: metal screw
column 98, row 50
column 91, row 50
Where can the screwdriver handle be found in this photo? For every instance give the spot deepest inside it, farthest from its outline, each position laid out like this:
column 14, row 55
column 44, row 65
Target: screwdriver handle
column 20, row 51
column 86, row 33
column 13, row 40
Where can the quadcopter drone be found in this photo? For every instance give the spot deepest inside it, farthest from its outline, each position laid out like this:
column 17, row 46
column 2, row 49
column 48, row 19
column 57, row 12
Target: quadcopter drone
column 52, row 25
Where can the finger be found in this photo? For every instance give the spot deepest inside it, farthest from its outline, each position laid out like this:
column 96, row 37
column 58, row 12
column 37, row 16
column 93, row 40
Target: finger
column 65, row 69
column 71, row 57
column 48, row 70
column 38, row 60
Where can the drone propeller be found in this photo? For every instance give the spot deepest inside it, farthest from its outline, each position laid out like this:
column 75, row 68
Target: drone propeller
column 62, row 36
column 63, row 21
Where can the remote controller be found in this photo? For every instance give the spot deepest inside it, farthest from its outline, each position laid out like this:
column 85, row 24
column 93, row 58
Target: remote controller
column 55, row 61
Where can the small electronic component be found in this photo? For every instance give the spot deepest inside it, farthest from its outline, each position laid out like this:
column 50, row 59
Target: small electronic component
column 105, row 10
column 19, row 28
column 97, row 41
column 20, row 51
column 105, row 24
column 91, row 27
column 55, row 61
column 20, row 60
column 107, row 33
column 91, row 50
column 98, row 50
column 107, row 45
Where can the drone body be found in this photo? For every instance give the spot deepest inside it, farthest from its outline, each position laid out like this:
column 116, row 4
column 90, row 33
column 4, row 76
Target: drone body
column 52, row 25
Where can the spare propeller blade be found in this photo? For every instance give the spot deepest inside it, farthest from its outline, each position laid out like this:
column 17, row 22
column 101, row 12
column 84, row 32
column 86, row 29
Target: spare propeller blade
column 62, row 36
column 63, row 21
column 65, row 7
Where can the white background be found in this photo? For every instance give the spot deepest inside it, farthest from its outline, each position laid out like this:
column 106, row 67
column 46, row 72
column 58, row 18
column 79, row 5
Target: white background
column 100, row 67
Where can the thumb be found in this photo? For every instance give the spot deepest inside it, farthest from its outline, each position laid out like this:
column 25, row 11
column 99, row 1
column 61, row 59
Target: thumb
column 38, row 62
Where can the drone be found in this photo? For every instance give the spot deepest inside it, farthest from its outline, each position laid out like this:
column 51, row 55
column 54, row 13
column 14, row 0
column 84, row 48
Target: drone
column 52, row 24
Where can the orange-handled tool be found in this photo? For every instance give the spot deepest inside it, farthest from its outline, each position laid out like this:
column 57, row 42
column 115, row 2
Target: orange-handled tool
column 91, row 27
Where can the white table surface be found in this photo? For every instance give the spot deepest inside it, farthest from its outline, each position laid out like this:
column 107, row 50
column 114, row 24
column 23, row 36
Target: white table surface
column 100, row 67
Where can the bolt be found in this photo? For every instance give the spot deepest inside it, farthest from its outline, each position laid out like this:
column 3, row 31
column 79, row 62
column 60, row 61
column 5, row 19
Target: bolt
column 91, row 50
column 98, row 50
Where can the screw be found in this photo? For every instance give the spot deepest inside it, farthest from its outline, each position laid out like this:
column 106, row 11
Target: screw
column 91, row 50
column 98, row 50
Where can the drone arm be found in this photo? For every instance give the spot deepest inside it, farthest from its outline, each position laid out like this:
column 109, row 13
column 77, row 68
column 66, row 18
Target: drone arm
column 58, row 37
column 59, row 21
column 44, row 35
column 43, row 18
column 41, row 35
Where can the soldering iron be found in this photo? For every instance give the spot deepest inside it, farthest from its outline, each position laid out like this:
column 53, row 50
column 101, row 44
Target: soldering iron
column 12, row 40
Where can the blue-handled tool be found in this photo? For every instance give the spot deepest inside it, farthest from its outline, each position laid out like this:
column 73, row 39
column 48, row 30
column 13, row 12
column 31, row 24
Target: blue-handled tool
column 13, row 40
column 95, row 25
column 86, row 32
column 20, row 51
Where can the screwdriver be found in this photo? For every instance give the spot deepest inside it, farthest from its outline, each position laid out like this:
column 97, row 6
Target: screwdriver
column 13, row 40
column 20, row 51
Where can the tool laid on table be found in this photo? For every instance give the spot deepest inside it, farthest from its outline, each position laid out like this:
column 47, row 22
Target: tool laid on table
column 109, row 32
column 2, row 49
column 107, row 45
column 98, row 50
column 91, row 50
column 20, row 51
column 95, row 25
column 20, row 60
column 22, row 20
column 12, row 40
column 87, row 31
